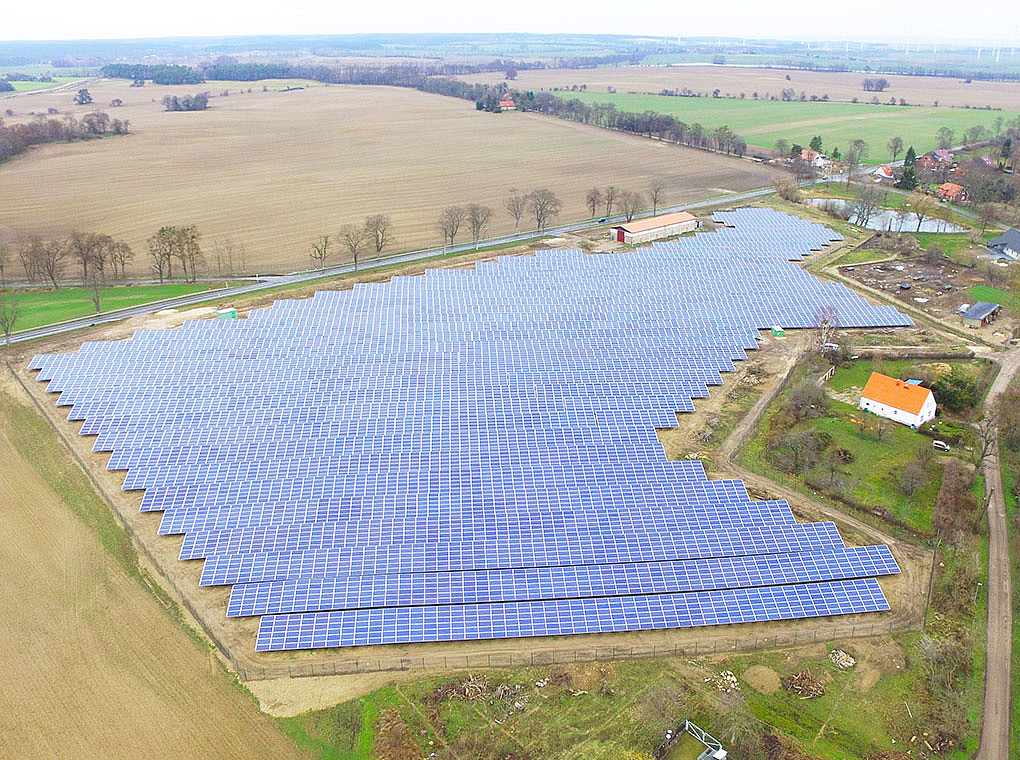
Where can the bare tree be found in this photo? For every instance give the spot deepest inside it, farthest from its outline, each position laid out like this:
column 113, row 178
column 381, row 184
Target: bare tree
column 630, row 204
column 593, row 200
column 30, row 254
column 51, row 262
column 120, row 255
column 987, row 214
column 922, row 207
column 353, row 238
column 988, row 432
column 786, row 187
column 855, row 156
column 5, row 260
column 450, row 222
column 188, row 250
column 161, row 250
column 9, row 314
column 478, row 219
column 609, row 197
column 544, row 205
column 88, row 249
column 320, row 250
column 895, row 146
column 379, row 229
column 867, row 200
column 95, row 285
column 229, row 255
column 516, row 203
column 944, row 137
column 656, row 188
column 826, row 322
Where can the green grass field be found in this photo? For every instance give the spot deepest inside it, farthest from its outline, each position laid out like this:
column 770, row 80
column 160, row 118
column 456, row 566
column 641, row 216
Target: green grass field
column 761, row 123
column 40, row 307
column 1010, row 301
column 36, row 86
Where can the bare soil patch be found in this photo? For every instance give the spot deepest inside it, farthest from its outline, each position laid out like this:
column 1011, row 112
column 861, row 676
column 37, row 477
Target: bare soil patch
column 273, row 170
column 762, row 679
column 938, row 288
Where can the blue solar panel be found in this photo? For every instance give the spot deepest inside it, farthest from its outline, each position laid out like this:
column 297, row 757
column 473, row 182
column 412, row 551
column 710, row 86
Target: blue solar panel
column 494, row 424
column 460, row 622
column 346, row 592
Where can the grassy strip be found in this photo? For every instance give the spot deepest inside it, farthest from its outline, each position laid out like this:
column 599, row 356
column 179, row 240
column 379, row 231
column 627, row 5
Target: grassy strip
column 45, row 307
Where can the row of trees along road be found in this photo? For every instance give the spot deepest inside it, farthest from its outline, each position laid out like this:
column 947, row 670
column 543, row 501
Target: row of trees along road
column 376, row 232
column 628, row 203
column 98, row 256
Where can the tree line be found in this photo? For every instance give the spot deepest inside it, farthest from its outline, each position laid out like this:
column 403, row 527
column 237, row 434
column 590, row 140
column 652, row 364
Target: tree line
column 198, row 102
column 17, row 138
column 649, row 123
column 376, row 232
column 227, row 69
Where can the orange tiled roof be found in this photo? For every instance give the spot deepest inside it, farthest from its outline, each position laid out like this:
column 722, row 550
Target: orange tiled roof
column 895, row 393
column 950, row 187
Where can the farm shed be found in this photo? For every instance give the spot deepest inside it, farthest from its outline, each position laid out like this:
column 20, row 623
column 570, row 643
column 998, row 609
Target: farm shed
column 655, row 227
column 898, row 400
column 1006, row 245
column 980, row 314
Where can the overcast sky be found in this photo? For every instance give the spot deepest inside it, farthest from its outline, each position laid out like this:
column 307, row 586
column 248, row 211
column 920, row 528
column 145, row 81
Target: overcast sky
column 984, row 21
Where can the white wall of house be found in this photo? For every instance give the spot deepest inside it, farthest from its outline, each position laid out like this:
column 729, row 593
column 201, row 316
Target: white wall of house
column 899, row 415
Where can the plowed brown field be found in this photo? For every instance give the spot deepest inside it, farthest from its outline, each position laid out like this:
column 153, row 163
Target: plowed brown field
column 92, row 666
column 273, row 170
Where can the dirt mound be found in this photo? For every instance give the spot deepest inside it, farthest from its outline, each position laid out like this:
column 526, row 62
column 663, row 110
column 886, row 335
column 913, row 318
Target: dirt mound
column 762, row 679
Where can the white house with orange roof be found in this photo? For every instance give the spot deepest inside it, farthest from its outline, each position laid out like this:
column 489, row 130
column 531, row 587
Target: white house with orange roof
column 898, row 400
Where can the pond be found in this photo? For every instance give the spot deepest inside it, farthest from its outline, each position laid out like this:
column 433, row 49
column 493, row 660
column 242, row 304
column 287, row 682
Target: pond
column 883, row 218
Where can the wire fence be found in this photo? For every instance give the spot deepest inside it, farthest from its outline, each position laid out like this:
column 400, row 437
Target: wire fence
column 712, row 645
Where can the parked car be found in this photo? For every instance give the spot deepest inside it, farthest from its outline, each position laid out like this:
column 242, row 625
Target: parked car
column 940, row 445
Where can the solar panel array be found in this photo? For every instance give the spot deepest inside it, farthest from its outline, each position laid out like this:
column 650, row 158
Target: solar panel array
column 471, row 454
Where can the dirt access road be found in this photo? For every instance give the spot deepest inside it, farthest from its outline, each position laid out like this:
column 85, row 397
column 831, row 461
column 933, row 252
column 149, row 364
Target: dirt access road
column 996, row 713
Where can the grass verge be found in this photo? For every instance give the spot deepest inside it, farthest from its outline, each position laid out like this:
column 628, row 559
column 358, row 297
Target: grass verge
column 40, row 307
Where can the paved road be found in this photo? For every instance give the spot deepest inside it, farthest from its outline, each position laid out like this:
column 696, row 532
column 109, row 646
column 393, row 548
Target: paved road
column 273, row 281
column 996, row 713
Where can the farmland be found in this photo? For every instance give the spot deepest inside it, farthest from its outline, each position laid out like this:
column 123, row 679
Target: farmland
column 95, row 664
column 733, row 80
column 273, row 170
column 762, row 123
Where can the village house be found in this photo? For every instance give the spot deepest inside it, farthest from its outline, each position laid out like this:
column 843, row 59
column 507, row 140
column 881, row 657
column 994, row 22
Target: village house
column 950, row 191
column 901, row 401
column 884, row 173
column 814, row 158
column 1007, row 245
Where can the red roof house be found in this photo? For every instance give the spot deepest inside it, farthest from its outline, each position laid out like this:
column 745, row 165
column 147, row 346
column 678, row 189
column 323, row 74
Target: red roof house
column 506, row 103
column 950, row 191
